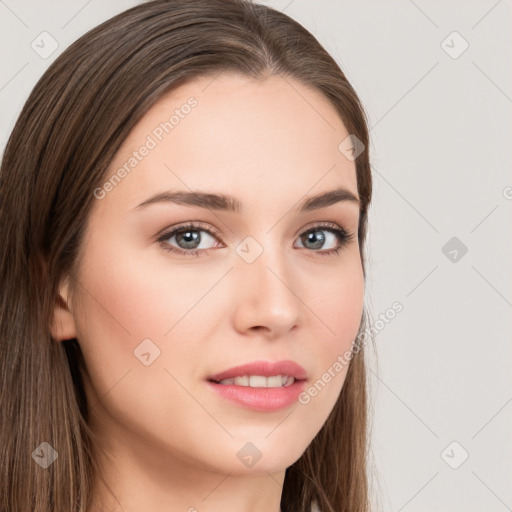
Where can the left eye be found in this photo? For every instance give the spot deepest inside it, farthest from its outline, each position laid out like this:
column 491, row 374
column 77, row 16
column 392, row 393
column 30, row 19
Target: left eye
column 189, row 239
column 317, row 238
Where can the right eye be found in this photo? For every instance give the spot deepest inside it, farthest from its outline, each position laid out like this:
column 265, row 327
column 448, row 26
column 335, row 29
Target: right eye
column 188, row 238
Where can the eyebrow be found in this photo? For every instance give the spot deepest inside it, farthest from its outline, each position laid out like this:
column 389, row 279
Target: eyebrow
column 231, row 204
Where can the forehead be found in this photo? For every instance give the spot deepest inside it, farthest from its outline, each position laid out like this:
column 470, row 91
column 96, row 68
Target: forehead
column 274, row 138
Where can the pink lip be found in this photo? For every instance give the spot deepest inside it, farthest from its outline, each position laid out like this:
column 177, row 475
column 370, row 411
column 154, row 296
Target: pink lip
column 261, row 399
column 265, row 368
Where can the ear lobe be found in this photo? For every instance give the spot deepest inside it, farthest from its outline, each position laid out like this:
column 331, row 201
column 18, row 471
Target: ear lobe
column 63, row 322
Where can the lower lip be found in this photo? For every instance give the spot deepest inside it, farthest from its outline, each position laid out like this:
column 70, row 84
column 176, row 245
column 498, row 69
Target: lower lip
column 260, row 399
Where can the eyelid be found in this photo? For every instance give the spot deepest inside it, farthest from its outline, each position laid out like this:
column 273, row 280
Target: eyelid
column 192, row 224
column 320, row 225
column 209, row 228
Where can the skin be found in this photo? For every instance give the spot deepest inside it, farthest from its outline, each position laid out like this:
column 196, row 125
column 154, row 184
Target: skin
column 168, row 442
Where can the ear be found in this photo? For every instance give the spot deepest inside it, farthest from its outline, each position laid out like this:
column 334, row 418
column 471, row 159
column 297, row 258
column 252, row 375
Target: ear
column 63, row 322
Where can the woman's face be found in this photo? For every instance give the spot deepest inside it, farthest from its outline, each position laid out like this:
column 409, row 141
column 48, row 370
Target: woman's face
column 247, row 285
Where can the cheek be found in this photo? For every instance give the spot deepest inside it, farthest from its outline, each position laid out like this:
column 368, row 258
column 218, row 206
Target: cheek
column 127, row 297
column 338, row 303
column 339, row 308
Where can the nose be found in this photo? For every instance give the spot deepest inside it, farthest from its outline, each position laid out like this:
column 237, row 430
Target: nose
column 266, row 301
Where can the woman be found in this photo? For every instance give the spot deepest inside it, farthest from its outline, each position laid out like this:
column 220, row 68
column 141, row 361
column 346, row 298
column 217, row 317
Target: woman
column 184, row 204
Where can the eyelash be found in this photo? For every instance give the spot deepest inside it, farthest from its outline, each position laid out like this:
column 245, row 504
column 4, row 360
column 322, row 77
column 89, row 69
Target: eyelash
column 343, row 238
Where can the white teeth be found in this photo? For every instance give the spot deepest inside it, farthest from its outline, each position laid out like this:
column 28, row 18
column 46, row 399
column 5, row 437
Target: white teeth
column 242, row 381
column 274, row 382
column 259, row 381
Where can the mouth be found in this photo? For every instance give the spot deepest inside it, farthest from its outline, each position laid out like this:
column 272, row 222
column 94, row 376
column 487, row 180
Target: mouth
column 261, row 386
column 256, row 371
column 258, row 381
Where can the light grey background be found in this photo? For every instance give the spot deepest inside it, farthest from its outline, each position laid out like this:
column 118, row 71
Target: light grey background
column 441, row 136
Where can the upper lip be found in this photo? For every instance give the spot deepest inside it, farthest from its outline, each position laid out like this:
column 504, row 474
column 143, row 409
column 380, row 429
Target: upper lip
column 264, row 368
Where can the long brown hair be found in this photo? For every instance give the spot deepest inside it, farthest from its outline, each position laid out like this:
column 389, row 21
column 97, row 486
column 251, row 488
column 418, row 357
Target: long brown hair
column 68, row 132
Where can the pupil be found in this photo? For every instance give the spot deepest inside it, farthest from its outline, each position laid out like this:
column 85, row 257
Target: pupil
column 191, row 239
column 316, row 240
